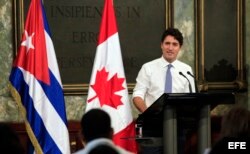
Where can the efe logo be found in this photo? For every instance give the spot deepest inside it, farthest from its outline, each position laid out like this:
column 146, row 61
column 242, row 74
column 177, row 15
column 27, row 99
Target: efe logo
column 236, row 145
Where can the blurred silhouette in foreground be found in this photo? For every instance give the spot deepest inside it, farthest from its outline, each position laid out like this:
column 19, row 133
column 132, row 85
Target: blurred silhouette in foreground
column 235, row 127
column 9, row 141
column 97, row 134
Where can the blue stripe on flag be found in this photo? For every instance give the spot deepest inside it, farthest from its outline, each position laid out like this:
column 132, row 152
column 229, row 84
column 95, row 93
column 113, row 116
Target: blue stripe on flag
column 46, row 142
column 45, row 22
column 55, row 95
column 54, row 86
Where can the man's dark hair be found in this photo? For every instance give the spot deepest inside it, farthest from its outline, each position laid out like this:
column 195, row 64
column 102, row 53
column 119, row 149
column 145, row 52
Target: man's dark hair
column 173, row 32
column 96, row 123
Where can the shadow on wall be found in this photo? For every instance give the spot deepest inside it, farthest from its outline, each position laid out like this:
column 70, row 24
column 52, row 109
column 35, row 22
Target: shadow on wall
column 221, row 72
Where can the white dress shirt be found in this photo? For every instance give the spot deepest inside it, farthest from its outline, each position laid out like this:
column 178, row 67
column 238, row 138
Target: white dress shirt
column 101, row 141
column 150, row 82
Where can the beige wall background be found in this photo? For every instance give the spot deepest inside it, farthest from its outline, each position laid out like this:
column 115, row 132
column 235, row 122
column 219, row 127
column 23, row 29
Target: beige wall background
column 75, row 105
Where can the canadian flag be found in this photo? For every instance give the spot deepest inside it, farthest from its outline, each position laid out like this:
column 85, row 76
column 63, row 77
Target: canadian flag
column 108, row 88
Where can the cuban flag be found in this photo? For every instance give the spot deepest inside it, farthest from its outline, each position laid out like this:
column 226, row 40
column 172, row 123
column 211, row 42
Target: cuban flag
column 108, row 88
column 36, row 86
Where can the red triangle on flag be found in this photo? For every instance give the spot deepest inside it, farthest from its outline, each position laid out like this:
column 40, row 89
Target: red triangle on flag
column 32, row 55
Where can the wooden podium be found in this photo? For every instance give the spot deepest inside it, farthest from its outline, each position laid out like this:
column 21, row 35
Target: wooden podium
column 161, row 118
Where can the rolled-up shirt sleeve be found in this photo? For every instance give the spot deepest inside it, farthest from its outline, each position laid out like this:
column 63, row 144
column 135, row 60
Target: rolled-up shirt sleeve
column 142, row 83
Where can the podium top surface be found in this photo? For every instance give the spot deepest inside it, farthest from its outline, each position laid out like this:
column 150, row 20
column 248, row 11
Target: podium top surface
column 201, row 98
column 188, row 99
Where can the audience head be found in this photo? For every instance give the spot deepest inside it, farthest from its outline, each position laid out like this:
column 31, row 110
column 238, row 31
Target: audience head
column 173, row 32
column 236, row 123
column 95, row 124
column 9, row 141
column 101, row 149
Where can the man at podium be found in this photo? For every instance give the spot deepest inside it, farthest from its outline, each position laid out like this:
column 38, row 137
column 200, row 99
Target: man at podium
column 165, row 74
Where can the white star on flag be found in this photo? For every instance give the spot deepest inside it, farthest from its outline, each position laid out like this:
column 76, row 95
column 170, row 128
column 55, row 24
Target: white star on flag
column 28, row 41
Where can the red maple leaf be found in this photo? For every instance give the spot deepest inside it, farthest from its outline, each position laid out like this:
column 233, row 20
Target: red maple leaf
column 105, row 89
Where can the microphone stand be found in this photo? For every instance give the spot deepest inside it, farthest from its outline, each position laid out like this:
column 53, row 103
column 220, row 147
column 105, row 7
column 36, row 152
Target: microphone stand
column 195, row 82
column 189, row 84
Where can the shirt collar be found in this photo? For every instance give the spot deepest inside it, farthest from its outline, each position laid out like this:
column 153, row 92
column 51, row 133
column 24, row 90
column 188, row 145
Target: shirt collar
column 165, row 63
column 95, row 142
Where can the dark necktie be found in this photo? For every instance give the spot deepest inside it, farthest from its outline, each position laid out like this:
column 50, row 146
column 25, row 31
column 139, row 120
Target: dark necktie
column 168, row 82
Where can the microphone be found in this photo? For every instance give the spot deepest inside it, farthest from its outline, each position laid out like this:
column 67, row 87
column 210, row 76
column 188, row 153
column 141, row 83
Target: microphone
column 190, row 74
column 196, row 87
column 189, row 84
